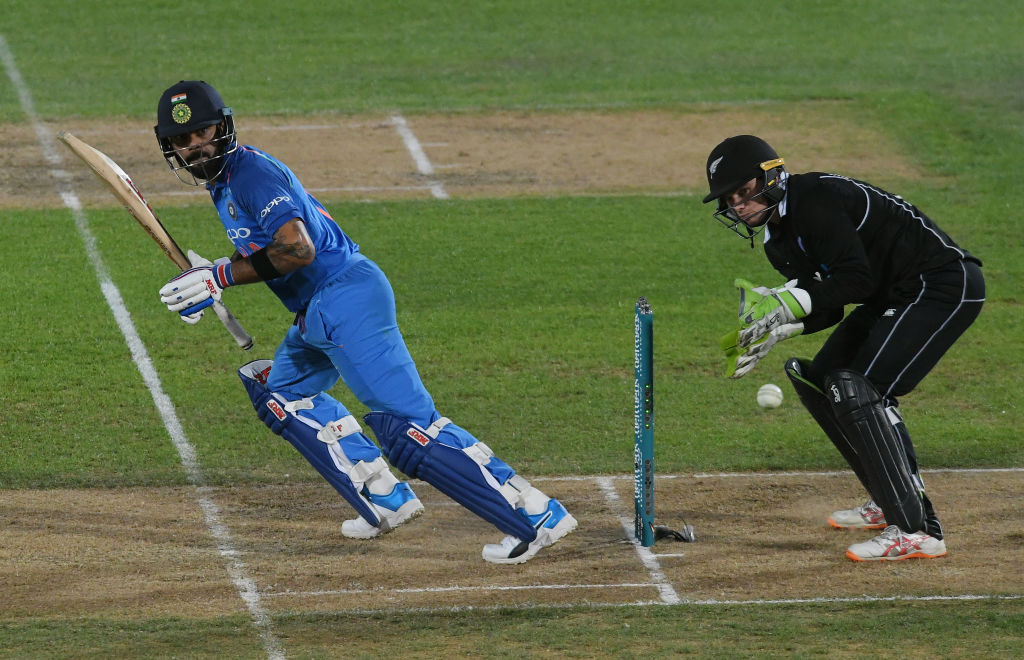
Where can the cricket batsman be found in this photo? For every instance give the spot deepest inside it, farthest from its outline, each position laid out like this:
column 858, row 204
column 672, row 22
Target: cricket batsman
column 345, row 328
column 839, row 242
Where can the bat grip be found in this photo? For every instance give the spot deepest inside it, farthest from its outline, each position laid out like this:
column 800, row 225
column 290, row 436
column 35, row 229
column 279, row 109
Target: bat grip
column 242, row 337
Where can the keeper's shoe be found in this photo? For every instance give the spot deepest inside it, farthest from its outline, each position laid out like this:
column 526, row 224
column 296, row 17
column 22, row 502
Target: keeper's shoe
column 868, row 516
column 400, row 506
column 551, row 524
column 894, row 544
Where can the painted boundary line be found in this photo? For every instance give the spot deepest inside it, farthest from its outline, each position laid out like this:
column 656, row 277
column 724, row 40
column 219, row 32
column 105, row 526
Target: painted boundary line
column 236, row 568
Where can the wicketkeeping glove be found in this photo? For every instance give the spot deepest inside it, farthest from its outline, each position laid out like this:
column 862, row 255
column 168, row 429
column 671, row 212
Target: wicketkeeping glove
column 197, row 288
column 740, row 362
column 763, row 310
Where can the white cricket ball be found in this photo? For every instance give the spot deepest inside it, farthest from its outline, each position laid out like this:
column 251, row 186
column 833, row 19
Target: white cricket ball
column 769, row 396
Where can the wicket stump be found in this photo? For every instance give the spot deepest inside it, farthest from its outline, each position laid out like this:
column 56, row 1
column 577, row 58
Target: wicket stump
column 643, row 422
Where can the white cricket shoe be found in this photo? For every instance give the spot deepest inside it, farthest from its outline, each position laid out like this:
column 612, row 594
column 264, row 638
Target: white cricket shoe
column 868, row 516
column 551, row 524
column 400, row 506
column 894, row 544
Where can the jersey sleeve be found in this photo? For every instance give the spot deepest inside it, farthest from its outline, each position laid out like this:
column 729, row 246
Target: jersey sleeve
column 268, row 194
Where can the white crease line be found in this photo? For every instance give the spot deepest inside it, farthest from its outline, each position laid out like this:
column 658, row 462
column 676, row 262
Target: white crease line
column 418, row 156
column 665, row 590
column 762, row 475
column 431, row 590
column 685, row 603
column 236, row 569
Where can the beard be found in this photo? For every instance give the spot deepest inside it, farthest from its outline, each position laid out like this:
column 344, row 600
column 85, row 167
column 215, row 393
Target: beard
column 204, row 168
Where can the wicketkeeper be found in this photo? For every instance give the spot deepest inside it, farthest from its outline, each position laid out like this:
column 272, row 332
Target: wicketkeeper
column 345, row 328
column 840, row 241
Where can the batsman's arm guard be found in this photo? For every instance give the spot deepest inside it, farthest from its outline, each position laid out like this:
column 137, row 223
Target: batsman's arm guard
column 323, row 432
column 861, row 414
column 450, row 459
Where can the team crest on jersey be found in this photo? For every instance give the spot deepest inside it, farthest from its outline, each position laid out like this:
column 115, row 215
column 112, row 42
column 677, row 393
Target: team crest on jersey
column 181, row 113
column 232, row 211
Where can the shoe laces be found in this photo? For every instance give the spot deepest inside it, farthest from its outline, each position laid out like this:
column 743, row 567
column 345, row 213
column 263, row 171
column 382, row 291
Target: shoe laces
column 891, row 533
column 509, row 542
column 868, row 506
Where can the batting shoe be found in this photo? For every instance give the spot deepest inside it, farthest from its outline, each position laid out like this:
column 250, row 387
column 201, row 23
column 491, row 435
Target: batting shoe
column 551, row 524
column 868, row 516
column 399, row 506
column 894, row 544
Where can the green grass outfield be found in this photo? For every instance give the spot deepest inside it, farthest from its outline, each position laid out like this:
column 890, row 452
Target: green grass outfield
column 520, row 313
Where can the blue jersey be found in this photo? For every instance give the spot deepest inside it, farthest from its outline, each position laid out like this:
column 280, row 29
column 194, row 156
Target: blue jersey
column 254, row 196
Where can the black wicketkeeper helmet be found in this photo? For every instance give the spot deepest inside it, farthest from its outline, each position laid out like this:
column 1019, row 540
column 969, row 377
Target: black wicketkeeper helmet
column 188, row 106
column 732, row 163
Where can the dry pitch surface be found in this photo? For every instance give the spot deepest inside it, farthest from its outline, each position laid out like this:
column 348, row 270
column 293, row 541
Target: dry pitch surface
column 150, row 552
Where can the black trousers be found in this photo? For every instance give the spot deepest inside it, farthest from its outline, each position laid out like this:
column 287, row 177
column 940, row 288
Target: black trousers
column 896, row 346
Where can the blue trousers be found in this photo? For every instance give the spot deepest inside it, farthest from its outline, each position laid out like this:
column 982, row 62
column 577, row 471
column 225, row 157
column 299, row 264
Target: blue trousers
column 351, row 332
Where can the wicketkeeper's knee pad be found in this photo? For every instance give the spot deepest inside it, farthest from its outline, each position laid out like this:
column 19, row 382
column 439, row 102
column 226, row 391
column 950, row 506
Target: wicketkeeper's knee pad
column 450, row 459
column 323, row 431
column 872, row 431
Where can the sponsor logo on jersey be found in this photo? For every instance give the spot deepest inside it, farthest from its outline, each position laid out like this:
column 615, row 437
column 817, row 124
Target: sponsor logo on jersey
column 278, row 411
column 418, row 436
column 274, row 202
column 243, row 232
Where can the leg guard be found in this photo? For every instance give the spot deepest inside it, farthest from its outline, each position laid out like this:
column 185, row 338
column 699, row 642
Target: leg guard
column 818, row 405
column 931, row 519
column 324, row 433
column 450, row 459
column 861, row 415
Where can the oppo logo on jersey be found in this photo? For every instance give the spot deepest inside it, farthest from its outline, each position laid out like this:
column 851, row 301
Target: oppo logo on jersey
column 244, row 232
column 274, row 202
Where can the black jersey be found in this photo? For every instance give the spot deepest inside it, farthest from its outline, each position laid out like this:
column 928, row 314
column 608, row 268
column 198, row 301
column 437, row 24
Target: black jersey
column 848, row 242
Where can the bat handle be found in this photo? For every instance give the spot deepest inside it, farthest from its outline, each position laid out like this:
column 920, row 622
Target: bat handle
column 242, row 337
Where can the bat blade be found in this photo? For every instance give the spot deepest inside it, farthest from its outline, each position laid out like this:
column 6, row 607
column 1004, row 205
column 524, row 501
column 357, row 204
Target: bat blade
column 126, row 192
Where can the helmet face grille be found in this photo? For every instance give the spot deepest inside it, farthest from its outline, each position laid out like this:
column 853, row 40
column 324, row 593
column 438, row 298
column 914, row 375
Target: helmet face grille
column 772, row 191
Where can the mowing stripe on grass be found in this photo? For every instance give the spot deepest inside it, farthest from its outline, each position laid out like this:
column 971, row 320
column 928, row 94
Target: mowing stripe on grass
column 211, row 512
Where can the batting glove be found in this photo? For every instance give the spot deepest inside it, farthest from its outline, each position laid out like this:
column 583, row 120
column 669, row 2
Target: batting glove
column 196, row 289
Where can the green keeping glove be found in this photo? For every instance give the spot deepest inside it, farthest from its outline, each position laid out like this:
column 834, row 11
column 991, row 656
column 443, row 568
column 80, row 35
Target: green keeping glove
column 744, row 361
column 762, row 309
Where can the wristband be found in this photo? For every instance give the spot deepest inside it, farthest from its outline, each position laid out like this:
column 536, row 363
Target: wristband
column 223, row 276
column 261, row 263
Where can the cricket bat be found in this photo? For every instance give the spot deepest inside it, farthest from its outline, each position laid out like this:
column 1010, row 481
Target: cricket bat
column 128, row 194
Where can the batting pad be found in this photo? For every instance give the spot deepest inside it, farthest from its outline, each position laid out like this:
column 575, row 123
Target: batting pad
column 451, row 460
column 322, row 430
